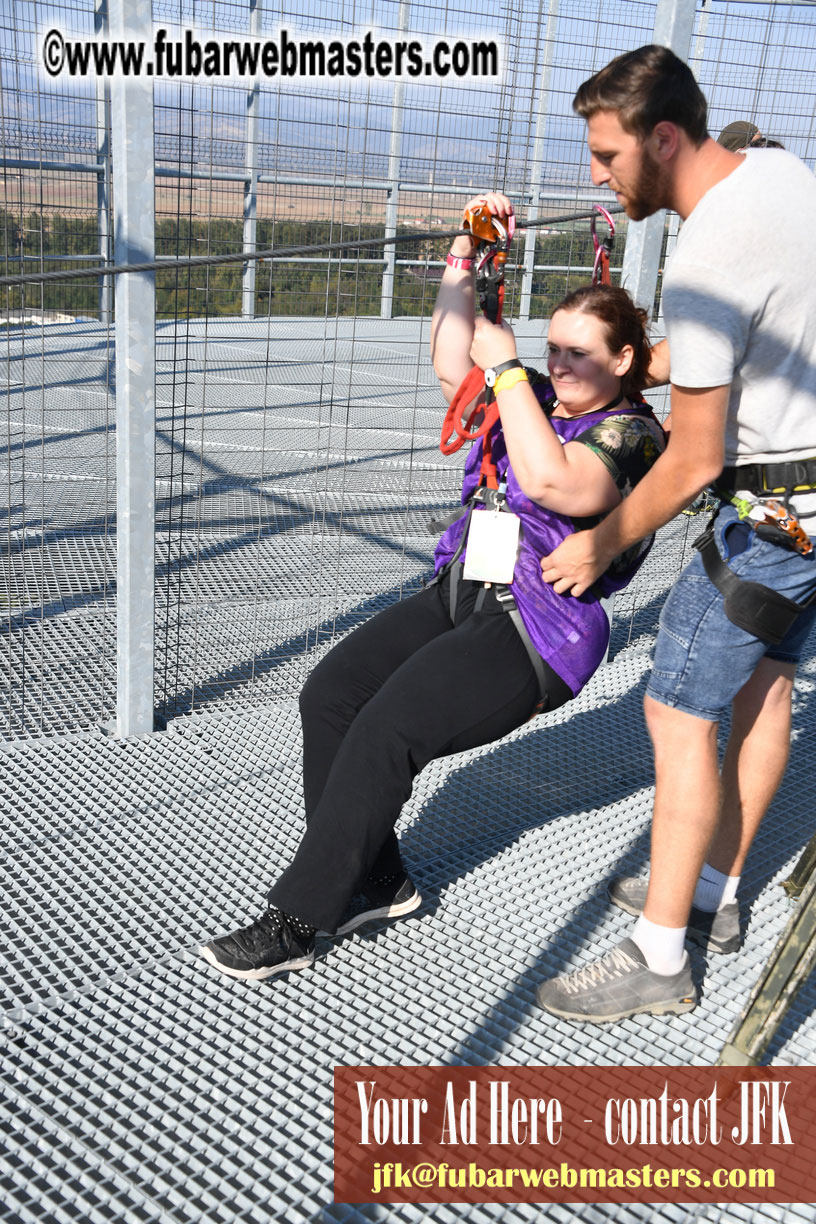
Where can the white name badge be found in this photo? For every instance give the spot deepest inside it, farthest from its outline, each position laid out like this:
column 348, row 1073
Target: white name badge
column 492, row 546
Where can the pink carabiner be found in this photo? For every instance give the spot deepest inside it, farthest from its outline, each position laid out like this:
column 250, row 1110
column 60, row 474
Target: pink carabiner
column 603, row 249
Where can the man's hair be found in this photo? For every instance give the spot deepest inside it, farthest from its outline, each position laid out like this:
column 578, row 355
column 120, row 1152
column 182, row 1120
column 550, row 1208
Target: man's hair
column 646, row 87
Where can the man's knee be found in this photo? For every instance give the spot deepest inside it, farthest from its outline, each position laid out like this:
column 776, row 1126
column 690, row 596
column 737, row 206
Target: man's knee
column 771, row 682
column 767, row 694
column 672, row 728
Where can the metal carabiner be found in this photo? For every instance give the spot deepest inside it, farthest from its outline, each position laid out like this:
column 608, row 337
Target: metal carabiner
column 603, row 248
column 493, row 240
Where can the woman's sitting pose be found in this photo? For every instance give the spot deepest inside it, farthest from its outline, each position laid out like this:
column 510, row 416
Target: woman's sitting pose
column 487, row 643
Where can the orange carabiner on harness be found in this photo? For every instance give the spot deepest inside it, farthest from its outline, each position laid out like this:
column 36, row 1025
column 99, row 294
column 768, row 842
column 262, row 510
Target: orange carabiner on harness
column 772, row 518
column 492, row 242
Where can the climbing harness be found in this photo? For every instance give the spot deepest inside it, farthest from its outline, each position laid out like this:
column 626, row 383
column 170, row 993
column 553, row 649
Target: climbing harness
column 760, row 493
column 494, row 500
column 785, row 478
column 492, row 243
column 756, row 608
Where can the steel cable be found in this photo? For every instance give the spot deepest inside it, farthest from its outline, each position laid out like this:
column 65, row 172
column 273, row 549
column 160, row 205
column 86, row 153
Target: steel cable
column 345, row 244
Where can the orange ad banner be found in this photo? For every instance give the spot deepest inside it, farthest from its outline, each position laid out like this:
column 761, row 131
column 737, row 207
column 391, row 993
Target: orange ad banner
column 575, row 1134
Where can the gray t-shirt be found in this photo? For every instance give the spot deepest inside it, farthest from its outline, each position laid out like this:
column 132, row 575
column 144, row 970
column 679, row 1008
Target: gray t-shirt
column 739, row 300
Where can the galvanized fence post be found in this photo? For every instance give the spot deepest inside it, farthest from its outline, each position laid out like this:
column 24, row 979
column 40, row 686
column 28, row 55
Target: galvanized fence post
column 250, row 234
column 103, row 178
column 537, row 163
column 695, row 63
column 392, row 196
column 673, row 27
column 134, row 242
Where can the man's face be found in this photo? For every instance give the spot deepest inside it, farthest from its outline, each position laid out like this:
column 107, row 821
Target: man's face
column 619, row 160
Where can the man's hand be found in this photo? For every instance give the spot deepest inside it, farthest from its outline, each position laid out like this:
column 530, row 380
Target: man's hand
column 693, row 458
column 659, row 371
column 576, row 563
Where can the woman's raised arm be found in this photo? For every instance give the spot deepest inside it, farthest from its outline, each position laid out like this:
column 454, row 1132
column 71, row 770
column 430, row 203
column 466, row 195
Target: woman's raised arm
column 454, row 312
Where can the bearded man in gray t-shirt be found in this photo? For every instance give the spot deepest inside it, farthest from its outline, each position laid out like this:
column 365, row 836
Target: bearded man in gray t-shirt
column 739, row 302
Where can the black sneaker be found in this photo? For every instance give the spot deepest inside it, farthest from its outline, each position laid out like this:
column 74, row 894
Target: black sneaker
column 270, row 944
column 393, row 897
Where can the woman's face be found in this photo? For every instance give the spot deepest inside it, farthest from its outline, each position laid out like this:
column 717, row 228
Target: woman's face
column 583, row 371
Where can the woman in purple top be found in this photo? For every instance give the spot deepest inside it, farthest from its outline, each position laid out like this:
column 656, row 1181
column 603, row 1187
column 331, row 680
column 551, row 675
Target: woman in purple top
column 469, row 658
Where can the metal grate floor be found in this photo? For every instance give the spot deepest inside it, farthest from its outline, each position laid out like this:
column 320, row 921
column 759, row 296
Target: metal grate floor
column 138, row 1085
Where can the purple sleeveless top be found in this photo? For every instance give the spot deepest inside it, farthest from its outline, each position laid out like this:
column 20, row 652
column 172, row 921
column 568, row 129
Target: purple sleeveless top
column 571, row 634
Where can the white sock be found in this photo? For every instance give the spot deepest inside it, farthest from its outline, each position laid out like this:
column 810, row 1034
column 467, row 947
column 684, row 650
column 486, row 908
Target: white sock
column 714, row 889
column 663, row 947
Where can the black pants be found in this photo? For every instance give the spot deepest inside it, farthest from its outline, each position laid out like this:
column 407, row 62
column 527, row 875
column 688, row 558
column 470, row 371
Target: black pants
column 408, row 686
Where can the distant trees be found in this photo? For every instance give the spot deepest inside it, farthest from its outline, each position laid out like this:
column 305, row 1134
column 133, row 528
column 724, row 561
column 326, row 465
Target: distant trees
column 33, row 240
column 319, row 287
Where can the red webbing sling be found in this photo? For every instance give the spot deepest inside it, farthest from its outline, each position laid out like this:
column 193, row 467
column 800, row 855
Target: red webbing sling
column 491, row 256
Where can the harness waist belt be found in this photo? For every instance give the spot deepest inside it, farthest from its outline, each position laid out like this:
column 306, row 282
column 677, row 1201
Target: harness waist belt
column 481, row 496
column 769, row 477
column 504, row 595
column 757, row 609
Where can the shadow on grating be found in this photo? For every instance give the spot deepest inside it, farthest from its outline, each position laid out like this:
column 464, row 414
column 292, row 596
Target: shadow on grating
column 138, row 1084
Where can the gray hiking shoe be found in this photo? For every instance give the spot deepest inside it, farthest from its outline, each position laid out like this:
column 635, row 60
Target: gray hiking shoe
column 618, row 985
column 716, row 932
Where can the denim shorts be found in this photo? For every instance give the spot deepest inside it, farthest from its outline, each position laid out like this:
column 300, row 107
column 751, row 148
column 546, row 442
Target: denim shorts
column 701, row 658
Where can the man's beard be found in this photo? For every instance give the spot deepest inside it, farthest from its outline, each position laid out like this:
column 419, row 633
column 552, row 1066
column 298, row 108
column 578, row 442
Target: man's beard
column 648, row 193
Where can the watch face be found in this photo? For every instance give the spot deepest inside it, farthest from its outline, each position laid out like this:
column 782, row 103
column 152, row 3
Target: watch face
column 490, row 377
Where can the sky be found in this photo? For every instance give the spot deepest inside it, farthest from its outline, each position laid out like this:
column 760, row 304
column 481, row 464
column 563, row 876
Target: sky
column 754, row 61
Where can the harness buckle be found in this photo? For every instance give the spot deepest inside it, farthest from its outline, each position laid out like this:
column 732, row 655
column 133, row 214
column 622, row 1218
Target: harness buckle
column 504, row 596
column 798, row 475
